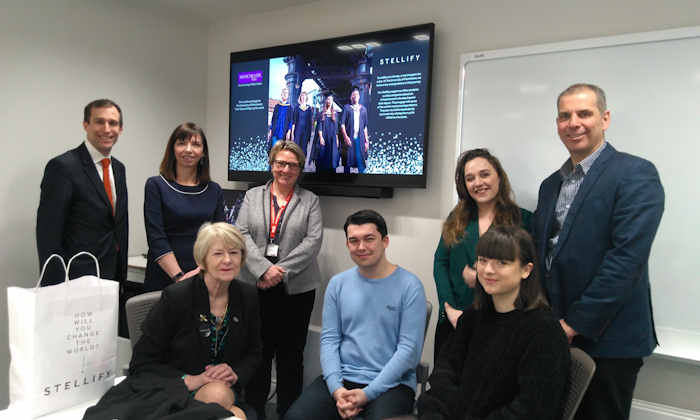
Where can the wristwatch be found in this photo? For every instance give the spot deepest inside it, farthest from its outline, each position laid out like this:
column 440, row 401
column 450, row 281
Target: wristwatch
column 177, row 276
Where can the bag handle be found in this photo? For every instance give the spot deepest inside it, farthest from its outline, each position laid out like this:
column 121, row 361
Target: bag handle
column 97, row 264
column 43, row 269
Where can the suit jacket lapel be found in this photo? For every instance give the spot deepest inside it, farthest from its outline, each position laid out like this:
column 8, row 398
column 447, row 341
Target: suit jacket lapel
column 120, row 185
column 551, row 199
column 92, row 175
column 290, row 208
column 266, row 208
column 235, row 308
column 200, row 304
column 590, row 180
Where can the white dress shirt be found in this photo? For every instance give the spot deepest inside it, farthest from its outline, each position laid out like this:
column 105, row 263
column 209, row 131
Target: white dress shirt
column 356, row 120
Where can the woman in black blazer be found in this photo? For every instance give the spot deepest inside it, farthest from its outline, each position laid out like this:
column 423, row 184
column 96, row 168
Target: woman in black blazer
column 200, row 343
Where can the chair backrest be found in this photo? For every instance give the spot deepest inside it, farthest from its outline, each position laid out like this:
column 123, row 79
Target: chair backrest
column 137, row 308
column 582, row 369
column 429, row 312
column 423, row 370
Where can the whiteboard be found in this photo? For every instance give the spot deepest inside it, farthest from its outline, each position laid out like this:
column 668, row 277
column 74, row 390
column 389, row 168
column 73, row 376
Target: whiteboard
column 652, row 83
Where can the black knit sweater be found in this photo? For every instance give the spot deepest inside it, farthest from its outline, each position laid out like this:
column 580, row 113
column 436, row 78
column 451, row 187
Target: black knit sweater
column 510, row 365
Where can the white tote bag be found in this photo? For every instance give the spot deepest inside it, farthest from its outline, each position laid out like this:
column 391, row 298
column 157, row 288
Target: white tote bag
column 63, row 342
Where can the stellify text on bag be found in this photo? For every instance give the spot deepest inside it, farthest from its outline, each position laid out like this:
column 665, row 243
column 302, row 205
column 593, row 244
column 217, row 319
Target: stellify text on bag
column 78, row 382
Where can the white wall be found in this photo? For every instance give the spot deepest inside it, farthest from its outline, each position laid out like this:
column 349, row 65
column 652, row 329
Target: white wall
column 58, row 56
column 414, row 216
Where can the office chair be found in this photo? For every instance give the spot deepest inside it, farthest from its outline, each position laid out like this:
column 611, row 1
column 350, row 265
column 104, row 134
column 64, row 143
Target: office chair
column 423, row 369
column 137, row 308
column 582, row 369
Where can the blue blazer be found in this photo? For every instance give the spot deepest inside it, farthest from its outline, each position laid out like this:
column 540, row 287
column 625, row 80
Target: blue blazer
column 599, row 278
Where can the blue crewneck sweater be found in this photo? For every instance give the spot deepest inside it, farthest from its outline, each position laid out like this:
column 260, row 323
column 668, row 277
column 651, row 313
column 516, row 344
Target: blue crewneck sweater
column 372, row 330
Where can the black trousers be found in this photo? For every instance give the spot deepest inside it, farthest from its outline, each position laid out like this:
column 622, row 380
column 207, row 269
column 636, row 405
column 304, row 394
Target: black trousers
column 317, row 403
column 609, row 396
column 285, row 322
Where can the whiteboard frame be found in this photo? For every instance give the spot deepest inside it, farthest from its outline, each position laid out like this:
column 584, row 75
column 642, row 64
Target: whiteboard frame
column 677, row 345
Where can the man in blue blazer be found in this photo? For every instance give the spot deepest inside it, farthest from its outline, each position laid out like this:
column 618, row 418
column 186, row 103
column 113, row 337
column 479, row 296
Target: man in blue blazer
column 595, row 222
column 80, row 209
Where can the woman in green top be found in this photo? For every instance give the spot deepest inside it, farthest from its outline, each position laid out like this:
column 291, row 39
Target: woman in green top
column 485, row 198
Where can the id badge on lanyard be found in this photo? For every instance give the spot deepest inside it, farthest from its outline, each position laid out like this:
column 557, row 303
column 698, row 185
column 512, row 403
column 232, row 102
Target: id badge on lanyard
column 272, row 249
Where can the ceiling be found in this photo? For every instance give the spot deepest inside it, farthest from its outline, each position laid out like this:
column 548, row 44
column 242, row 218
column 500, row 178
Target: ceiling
column 209, row 11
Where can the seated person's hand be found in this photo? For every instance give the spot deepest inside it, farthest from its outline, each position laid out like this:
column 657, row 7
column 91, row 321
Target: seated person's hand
column 221, row 372
column 357, row 396
column 194, row 382
column 346, row 409
column 349, row 402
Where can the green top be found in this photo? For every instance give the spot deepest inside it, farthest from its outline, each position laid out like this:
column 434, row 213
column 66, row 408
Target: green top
column 449, row 263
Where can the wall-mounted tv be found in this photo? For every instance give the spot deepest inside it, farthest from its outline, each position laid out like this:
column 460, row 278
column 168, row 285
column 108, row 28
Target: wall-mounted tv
column 357, row 105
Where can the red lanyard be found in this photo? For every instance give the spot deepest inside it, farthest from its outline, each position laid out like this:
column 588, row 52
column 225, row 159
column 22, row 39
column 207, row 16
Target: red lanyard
column 274, row 221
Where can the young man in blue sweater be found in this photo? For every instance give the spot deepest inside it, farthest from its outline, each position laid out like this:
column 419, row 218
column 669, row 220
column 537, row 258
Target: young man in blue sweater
column 372, row 336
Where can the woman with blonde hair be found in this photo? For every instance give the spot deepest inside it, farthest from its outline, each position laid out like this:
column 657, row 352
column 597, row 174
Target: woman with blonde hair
column 282, row 226
column 200, row 344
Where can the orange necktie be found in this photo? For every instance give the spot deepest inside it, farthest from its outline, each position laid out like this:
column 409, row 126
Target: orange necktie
column 105, row 178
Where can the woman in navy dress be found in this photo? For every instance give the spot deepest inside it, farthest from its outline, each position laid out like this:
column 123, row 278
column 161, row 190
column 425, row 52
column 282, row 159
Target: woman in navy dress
column 327, row 128
column 176, row 204
column 301, row 123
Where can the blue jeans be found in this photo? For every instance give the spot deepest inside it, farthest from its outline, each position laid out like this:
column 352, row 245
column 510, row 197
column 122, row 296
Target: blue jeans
column 316, row 402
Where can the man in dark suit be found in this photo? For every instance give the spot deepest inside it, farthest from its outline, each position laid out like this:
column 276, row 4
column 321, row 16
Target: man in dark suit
column 355, row 135
column 83, row 204
column 595, row 222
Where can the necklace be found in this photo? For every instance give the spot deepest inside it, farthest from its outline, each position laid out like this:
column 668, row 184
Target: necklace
column 220, row 324
column 219, row 320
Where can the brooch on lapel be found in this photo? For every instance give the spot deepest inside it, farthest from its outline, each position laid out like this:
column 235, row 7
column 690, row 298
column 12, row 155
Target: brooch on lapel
column 204, row 330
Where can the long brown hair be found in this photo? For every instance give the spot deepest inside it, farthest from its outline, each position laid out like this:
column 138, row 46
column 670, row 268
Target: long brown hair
column 185, row 131
column 325, row 107
column 511, row 243
column 507, row 212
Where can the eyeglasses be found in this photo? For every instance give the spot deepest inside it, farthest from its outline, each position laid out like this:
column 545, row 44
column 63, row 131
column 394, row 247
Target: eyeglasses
column 281, row 164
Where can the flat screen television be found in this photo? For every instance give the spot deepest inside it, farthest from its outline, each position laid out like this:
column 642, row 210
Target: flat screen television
column 358, row 106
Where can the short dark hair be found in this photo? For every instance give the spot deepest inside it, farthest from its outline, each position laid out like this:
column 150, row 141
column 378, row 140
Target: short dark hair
column 101, row 103
column 366, row 216
column 511, row 243
column 355, row 88
column 185, row 131
column 599, row 93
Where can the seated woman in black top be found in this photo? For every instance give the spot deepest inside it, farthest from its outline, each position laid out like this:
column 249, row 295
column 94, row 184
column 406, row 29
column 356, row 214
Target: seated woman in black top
column 200, row 344
column 508, row 358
